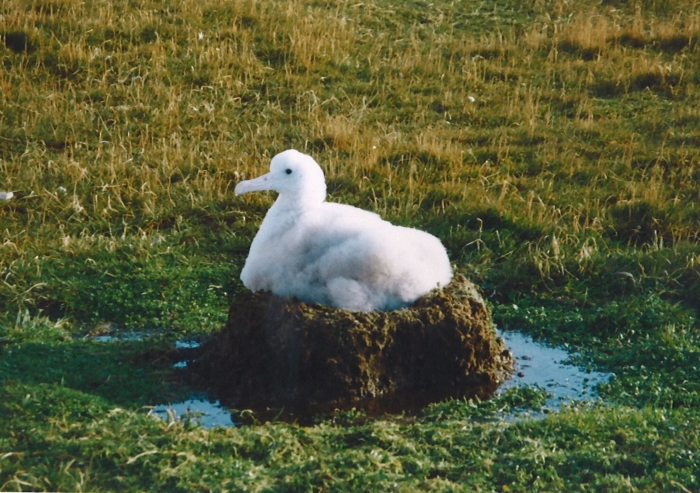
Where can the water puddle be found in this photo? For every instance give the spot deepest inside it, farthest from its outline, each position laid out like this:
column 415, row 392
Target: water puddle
column 206, row 414
column 536, row 364
column 122, row 336
column 539, row 364
column 187, row 344
column 140, row 336
column 135, row 335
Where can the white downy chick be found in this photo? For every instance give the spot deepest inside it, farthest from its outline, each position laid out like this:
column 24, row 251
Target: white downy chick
column 335, row 254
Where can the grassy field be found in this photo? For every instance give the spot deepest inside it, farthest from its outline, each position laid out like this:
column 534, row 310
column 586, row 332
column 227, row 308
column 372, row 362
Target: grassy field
column 554, row 147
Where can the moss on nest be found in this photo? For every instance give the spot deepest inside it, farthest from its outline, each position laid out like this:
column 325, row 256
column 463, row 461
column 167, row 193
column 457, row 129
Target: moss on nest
column 278, row 352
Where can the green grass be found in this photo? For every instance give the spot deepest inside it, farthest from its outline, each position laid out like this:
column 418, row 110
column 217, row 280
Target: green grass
column 551, row 145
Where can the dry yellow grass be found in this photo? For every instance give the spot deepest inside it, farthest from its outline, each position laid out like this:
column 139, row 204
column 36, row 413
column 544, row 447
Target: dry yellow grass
column 573, row 120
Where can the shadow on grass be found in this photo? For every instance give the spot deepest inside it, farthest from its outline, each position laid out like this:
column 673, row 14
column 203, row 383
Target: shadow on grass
column 128, row 374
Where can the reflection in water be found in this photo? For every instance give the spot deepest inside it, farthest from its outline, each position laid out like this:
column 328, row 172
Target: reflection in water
column 538, row 364
column 207, row 414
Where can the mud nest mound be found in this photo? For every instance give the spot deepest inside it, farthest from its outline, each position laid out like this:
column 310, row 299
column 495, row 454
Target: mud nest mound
column 276, row 352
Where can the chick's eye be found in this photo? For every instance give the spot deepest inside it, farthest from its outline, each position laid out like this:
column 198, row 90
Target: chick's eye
column 288, row 171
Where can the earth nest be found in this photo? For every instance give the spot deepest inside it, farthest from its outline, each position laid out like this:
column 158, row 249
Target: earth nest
column 282, row 353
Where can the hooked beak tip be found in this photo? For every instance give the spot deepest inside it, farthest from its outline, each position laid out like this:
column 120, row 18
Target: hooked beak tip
column 245, row 187
column 257, row 184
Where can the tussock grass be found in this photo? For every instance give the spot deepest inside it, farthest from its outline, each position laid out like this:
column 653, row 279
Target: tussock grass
column 551, row 145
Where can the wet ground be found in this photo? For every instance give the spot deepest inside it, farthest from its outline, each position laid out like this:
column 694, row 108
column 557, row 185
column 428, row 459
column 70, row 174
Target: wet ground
column 539, row 364
column 207, row 414
column 536, row 364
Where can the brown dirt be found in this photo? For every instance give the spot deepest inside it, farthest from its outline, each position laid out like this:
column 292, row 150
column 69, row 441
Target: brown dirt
column 277, row 352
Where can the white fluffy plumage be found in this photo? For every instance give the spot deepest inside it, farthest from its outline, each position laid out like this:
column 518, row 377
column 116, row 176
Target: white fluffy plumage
column 335, row 254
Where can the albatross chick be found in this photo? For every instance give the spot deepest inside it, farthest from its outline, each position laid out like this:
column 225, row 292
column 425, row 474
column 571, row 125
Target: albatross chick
column 335, row 254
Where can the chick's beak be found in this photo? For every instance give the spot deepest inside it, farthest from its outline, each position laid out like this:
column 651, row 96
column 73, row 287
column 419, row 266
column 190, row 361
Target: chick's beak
column 263, row 182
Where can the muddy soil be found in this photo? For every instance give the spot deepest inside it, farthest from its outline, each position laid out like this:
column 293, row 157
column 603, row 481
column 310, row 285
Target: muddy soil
column 282, row 353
